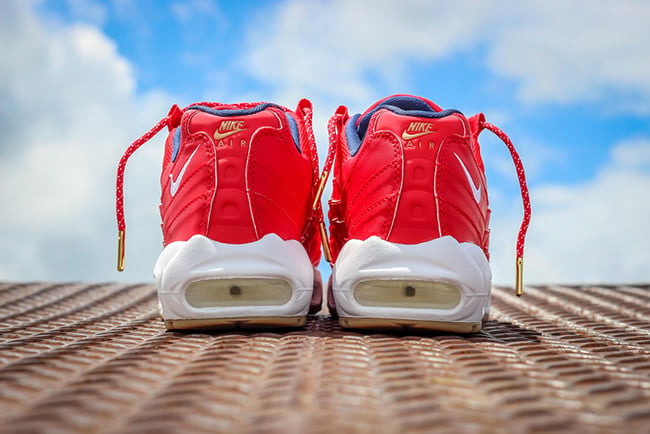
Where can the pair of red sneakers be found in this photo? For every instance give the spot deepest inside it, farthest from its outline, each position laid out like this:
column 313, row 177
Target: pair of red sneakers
column 243, row 224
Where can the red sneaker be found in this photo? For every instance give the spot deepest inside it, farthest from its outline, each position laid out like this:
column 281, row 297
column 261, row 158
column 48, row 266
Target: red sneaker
column 239, row 216
column 409, row 217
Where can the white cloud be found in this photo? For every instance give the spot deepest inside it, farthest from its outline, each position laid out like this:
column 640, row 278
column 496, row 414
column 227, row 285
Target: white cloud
column 537, row 156
column 574, row 51
column 595, row 231
column 559, row 53
column 68, row 109
column 330, row 49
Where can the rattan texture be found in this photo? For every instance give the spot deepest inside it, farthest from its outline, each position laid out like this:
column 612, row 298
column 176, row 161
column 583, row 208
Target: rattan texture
column 84, row 358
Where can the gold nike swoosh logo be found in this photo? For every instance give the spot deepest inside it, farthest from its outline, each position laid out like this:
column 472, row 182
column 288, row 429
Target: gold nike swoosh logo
column 409, row 136
column 220, row 136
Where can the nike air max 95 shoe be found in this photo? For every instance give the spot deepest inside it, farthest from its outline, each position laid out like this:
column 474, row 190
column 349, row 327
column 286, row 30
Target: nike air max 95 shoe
column 240, row 216
column 409, row 217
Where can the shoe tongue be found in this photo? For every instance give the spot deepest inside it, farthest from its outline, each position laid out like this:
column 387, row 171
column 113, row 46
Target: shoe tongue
column 402, row 104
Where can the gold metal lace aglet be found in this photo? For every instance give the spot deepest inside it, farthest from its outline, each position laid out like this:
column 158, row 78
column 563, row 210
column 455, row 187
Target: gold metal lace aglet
column 325, row 242
column 324, row 239
column 519, row 285
column 319, row 190
column 120, row 251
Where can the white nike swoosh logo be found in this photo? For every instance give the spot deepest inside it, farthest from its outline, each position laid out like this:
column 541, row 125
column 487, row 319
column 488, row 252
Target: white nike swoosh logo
column 173, row 188
column 476, row 191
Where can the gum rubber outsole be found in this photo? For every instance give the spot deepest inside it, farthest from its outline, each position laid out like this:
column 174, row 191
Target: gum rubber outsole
column 406, row 324
column 234, row 323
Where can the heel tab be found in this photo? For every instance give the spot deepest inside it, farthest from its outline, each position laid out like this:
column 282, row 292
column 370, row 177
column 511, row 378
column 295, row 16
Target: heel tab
column 343, row 112
column 304, row 106
column 174, row 117
column 477, row 124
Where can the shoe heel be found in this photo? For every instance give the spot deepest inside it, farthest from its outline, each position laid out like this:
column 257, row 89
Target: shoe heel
column 206, row 284
column 437, row 285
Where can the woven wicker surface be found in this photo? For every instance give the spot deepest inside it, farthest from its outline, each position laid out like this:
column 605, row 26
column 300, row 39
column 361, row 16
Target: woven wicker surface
column 96, row 358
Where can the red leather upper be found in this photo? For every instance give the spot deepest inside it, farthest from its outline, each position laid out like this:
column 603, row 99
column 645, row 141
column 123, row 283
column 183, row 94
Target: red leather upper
column 413, row 179
column 241, row 177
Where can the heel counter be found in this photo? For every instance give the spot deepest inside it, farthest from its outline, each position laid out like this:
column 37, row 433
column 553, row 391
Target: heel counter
column 280, row 183
column 263, row 180
column 373, row 180
column 438, row 196
column 229, row 217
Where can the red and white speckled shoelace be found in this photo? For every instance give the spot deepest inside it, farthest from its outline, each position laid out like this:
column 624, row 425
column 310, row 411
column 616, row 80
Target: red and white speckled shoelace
column 119, row 187
column 525, row 198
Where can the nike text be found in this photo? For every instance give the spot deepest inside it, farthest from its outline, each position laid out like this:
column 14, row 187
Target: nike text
column 228, row 128
column 417, row 129
column 231, row 125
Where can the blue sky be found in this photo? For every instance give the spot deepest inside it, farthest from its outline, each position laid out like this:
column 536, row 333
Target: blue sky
column 570, row 84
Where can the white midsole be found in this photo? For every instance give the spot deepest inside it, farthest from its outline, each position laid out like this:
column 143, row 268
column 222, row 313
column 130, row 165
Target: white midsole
column 444, row 259
column 200, row 258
